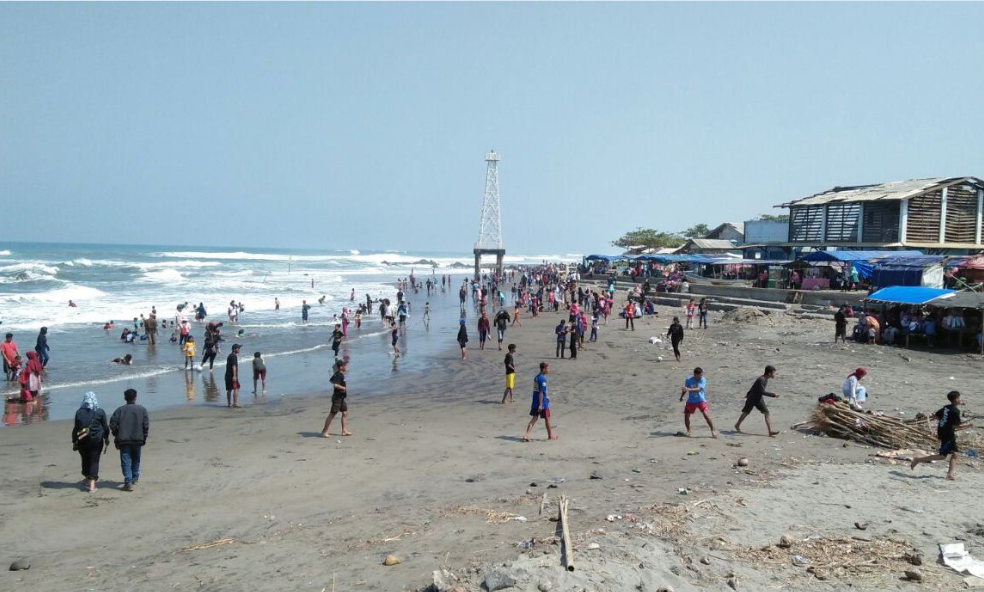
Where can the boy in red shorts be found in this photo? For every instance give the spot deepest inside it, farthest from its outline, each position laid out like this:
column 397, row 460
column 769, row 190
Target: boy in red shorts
column 693, row 389
column 541, row 404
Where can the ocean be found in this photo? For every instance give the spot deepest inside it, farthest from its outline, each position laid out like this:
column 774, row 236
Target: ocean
column 120, row 282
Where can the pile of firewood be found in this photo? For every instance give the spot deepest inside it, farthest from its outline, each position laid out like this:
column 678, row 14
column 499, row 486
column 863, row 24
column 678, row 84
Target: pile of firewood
column 839, row 420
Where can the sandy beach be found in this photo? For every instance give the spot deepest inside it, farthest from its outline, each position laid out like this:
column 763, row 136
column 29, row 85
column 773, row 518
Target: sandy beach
column 437, row 475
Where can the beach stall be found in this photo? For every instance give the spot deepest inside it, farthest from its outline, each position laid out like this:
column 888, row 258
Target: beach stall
column 926, row 270
column 963, row 317
column 824, row 269
column 968, row 272
column 957, row 317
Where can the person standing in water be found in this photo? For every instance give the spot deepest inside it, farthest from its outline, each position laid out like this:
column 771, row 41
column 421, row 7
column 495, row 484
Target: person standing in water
column 232, row 377
column 42, row 347
column 463, row 339
column 276, row 304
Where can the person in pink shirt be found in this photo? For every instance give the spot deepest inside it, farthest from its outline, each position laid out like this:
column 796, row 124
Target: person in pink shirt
column 8, row 349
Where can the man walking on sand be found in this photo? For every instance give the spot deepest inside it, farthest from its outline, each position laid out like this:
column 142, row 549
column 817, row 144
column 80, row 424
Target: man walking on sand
column 130, row 425
column 338, row 396
column 541, row 404
column 510, row 374
column 501, row 322
column 693, row 389
column 561, row 332
column 949, row 423
column 753, row 400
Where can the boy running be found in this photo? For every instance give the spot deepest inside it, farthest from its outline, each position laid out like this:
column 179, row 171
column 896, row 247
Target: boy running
column 338, row 396
column 541, row 404
column 693, row 389
column 510, row 374
column 949, row 423
column 753, row 400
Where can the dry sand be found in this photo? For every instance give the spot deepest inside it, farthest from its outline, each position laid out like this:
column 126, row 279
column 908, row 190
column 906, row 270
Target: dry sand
column 436, row 472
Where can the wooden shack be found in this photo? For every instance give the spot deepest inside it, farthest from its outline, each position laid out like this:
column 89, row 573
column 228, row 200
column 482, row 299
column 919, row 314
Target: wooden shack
column 939, row 214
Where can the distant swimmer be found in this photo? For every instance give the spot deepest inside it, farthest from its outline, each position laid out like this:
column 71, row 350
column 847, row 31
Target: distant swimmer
column 108, row 326
column 352, row 295
column 181, row 307
column 72, row 304
column 322, row 299
column 126, row 360
column 276, row 304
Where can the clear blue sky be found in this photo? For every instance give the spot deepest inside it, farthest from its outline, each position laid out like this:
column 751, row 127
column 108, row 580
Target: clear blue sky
column 366, row 125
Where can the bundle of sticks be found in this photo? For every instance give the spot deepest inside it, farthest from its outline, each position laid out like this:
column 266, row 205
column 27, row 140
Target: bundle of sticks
column 838, row 420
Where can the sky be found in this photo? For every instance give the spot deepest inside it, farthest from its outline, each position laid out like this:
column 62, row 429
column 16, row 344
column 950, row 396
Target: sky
column 365, row 126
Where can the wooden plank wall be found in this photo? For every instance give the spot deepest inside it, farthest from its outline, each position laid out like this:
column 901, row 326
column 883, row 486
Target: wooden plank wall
column 805, row 224
column 842, row 222
column 961, row 214
column 881, row 222
column 924, row 218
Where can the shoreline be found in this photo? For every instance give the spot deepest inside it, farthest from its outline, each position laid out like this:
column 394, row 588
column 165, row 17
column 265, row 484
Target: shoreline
column 436, row 470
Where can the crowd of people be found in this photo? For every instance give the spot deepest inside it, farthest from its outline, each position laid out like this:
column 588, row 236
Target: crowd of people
column 537, row 290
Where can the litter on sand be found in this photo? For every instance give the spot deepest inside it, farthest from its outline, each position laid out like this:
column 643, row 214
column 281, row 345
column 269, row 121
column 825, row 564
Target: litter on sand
column 957, row 557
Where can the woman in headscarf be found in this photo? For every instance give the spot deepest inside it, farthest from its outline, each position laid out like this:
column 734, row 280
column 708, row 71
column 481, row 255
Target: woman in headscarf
column 33, row 369
column 90, row 436
column 852, row 389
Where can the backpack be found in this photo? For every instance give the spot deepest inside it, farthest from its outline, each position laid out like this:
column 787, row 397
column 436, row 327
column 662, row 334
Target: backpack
column 92, row 429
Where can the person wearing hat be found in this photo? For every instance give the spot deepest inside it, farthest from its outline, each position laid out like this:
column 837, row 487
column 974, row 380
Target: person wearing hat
column 232, row 377
column 853, row 391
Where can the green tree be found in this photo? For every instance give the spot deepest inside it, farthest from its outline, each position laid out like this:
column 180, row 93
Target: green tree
column 696, row 231
column 648, row 238
column 774, row 218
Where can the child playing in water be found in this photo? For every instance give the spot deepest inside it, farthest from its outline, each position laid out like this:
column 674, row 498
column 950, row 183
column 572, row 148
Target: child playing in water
column 259, row 371
column 189, row 351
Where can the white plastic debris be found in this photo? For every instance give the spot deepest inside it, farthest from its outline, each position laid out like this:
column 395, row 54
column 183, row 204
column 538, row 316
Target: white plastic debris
column 957, row 557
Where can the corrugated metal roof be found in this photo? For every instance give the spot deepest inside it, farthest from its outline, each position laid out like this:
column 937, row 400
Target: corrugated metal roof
column 711, row 243
column 894, row 191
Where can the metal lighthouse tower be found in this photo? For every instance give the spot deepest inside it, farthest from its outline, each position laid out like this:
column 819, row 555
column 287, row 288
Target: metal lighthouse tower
column 490, row 232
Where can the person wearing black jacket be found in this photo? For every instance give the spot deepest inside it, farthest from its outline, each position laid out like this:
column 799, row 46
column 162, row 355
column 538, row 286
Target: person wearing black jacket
column 130, row 425
column 753, row 400
column 42, row 347
column 90, row 436
column 675, row 333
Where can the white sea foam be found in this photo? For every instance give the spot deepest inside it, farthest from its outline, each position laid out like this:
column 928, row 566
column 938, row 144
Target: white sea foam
column 166, row 275
column 29, row 266
column 5, row 253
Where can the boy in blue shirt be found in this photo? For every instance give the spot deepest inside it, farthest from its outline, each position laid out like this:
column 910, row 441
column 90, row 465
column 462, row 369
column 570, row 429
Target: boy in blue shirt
column 693, row 389
column 541, row 404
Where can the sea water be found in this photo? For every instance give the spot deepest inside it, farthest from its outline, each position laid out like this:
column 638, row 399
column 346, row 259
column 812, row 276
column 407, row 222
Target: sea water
column 119, row 283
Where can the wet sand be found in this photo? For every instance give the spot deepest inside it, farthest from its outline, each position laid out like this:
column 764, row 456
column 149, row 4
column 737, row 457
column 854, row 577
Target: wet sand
column 437, row 469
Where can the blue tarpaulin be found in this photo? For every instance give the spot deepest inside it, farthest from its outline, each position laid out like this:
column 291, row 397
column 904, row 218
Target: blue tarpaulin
column 851, row 256
column 863, row 261
column 908, row 294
